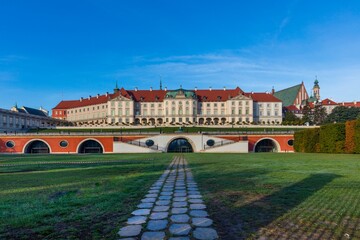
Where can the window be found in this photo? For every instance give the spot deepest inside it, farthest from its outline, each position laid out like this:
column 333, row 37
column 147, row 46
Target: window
column 215, row 104
column 276, row 113
column 268, row 113
column 112, row 103
column 222, row 104
column 145, row 105
column 119, row 111
column 187, row 102
column 233, row 103
column 276, row 105
column 127, row 112
column 10, row 144
column 208, row 104
column 159, row 105
column 127, row 104
column 152, row 105
column 247, row 111
column 233, row 111
column 144, row 112
column 268, row 105
column 63, row 143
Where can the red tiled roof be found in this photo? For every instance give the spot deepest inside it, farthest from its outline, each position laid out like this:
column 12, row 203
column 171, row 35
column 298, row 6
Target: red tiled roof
column 263, row 97
column 292, row 108
column 350, row 104
column 215, row 95
column 147, row 95
column 159, row 95
column 328, row 101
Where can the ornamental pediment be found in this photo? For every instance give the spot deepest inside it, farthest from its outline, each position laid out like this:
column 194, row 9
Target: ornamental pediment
column 240, row 97
column 119, row 98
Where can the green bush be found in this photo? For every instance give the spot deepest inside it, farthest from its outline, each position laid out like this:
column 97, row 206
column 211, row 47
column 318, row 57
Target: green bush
column 299, row 141
column 307, row 140
column 357, row 136
column 332, row 138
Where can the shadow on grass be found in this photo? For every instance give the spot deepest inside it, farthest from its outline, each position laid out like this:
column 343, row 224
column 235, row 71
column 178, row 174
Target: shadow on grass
column 262, row 212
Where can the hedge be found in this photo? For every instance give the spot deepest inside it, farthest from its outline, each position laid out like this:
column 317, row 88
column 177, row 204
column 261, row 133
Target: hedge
column 331, row 138
column 357, row 136
column 350, row 136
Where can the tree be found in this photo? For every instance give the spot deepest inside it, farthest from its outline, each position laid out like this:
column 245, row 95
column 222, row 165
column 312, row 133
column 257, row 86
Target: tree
column 343, row 114
column 307, row 114
column 319, row 115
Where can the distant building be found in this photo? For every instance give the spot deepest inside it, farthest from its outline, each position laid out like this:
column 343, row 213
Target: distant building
column 24, row 118
column 172, row 107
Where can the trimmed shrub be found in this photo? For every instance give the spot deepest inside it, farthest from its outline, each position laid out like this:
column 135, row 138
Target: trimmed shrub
column 299, row 141
column 357, row 136
column 307, row 140
column 332, row 138
column 350, row 136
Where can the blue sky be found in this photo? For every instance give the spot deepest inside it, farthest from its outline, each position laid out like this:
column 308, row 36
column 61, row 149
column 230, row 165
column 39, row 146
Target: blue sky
column 54, row 50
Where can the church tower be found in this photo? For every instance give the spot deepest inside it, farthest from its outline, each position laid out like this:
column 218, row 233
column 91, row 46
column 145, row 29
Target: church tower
column 316, row 90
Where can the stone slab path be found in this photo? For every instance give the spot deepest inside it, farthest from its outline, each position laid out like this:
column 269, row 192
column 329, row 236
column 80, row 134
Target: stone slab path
column 172, row 209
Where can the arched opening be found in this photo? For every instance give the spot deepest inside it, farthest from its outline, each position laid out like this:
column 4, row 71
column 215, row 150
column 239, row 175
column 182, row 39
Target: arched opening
column 181, row 145
column 90, row 146
column 37, row 147
column 160, row 121
column 216, row 121
column 201, row 121
column 152, row 121
column 223, row 121
column 137, row 121
column 266, row 145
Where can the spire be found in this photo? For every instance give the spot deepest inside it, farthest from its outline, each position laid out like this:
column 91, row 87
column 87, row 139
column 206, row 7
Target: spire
column 160, row 83
column 116, row 89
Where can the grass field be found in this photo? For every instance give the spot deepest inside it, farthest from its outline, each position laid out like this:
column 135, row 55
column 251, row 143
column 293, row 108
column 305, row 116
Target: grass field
column 59, row 200
column 281, row 196
column 249, row 196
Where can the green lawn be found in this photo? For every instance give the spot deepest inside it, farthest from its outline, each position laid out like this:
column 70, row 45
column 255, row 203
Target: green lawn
column 73, row 201
column 281, row 196
column 288, row 196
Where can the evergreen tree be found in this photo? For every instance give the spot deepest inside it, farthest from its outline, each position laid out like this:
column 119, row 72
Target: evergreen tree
column 319, row 114
column 343, row 114
column 307, row 114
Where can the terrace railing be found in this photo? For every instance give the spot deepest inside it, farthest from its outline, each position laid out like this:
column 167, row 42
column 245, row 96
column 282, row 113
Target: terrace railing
column 142, row 144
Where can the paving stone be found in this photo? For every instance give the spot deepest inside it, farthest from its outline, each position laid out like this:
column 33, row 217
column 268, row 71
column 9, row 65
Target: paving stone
column 128, row 238
column 151, row 195
column 180, row 191
column 130, row 231
column 183, row 194
column 179, row 210
column 145, row 205
column 140, row 212
column 153, row 236
column 179, row 204
column 202, row 222
column 163, row 202
column 197, row 206
column 165, row 197
column 179, row 229
column 179, row 199
column 193, row 193
column 159, row 215
column 195, row 200
column 155, row 188
column 195, row 196
column 180, row 218
column 156, row 225
column 198, row 213
column 205, row 233
column 136, row 220
column 148, row 200
column 161, row 208
column 180, row 188
column 166, row 193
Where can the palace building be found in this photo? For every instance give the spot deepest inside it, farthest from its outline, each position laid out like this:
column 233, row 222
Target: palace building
column 172, row 107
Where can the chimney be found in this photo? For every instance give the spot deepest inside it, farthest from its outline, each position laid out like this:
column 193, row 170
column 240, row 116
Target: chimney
column 224, row 88
column 273, row 90
column 97, row 95
column 89, row 97
column 136, row 89
column 210, row 88
column 81, row 99
column 252, row 92
column 165, row 89
column 150, row 89
column 195, row 88
column 107, row 93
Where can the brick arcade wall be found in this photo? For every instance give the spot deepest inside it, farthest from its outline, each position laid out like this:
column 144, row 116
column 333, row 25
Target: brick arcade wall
column 54, row 143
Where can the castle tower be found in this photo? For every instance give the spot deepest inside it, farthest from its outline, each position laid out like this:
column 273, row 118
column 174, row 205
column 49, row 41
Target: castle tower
column 316, row 89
